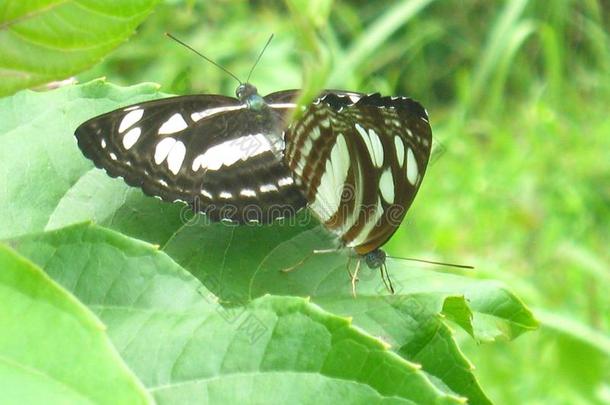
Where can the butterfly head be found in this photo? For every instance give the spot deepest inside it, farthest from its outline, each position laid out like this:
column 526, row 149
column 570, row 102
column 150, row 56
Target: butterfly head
column 375, row 258
column 247, row 93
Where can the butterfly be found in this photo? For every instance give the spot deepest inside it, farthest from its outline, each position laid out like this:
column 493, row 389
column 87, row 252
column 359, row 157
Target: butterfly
column 223, row 155
column 356, row 160
column 360, row 160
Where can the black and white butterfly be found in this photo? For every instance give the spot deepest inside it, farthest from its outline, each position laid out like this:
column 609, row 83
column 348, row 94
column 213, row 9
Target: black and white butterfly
column 360, row 160
column 356, row 160
column 223, row 155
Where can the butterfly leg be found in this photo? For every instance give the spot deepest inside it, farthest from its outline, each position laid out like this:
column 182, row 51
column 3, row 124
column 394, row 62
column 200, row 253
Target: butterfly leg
column 303, row 260
column 355, row 278
column 385, row 276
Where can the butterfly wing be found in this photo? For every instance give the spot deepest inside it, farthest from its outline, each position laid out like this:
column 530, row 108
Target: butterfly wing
column 288, row 98
column 210, row 151
column 360, row 160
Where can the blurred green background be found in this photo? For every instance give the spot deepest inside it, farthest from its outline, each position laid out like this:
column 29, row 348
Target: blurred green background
column 519, row 184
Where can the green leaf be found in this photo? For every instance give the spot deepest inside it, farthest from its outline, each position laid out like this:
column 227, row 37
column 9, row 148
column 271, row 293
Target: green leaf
column 413, row 320
column 49, row 40
column 241, row 264
column 40, row 161
column 182, row 344
column 52, row 349
column 251, row 271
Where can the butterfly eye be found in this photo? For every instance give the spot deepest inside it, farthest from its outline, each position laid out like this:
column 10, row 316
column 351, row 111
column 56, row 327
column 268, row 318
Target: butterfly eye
column 375, row 258
column 239, row 92
column 245, row 91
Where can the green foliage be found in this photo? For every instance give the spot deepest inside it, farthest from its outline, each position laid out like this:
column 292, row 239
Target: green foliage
column 181, row 343
column 53, row 349
column 518, row 96
column 49, row 40
column 229, row 267
column 40, row 156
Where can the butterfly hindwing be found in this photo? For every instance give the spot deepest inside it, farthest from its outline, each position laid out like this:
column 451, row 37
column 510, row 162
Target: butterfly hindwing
column 210, row 151
column 360, row 160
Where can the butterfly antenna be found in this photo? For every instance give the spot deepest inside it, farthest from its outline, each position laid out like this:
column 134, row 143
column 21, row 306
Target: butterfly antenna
column 260, row 55
column 459, row 266
column 203, row 56
column 388, row 283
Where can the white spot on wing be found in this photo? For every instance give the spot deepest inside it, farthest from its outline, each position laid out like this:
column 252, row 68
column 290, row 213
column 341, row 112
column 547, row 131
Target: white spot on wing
column 400, row 150
column 130, row 118
column 247, row 192
column 266, row 188
column 328, row 195
column 286, row 181
column 163, row 148
column 226, row 195
column 176, row 157
column 206, row 193
column 196, row 116
column 352, row 217
column 229, row 152
column 174, row 124
column 412, row 170
column 377, row 147
column 307, row 145
column 131, row 137
column 373, row 144
column 354, row 97
column 371, row 220
column 283, row 105
column 386, row 185
column 103, row 143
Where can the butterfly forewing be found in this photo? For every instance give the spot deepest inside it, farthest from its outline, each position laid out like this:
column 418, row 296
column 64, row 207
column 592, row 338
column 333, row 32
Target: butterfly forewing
column 211, row 151
column 360, row 160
